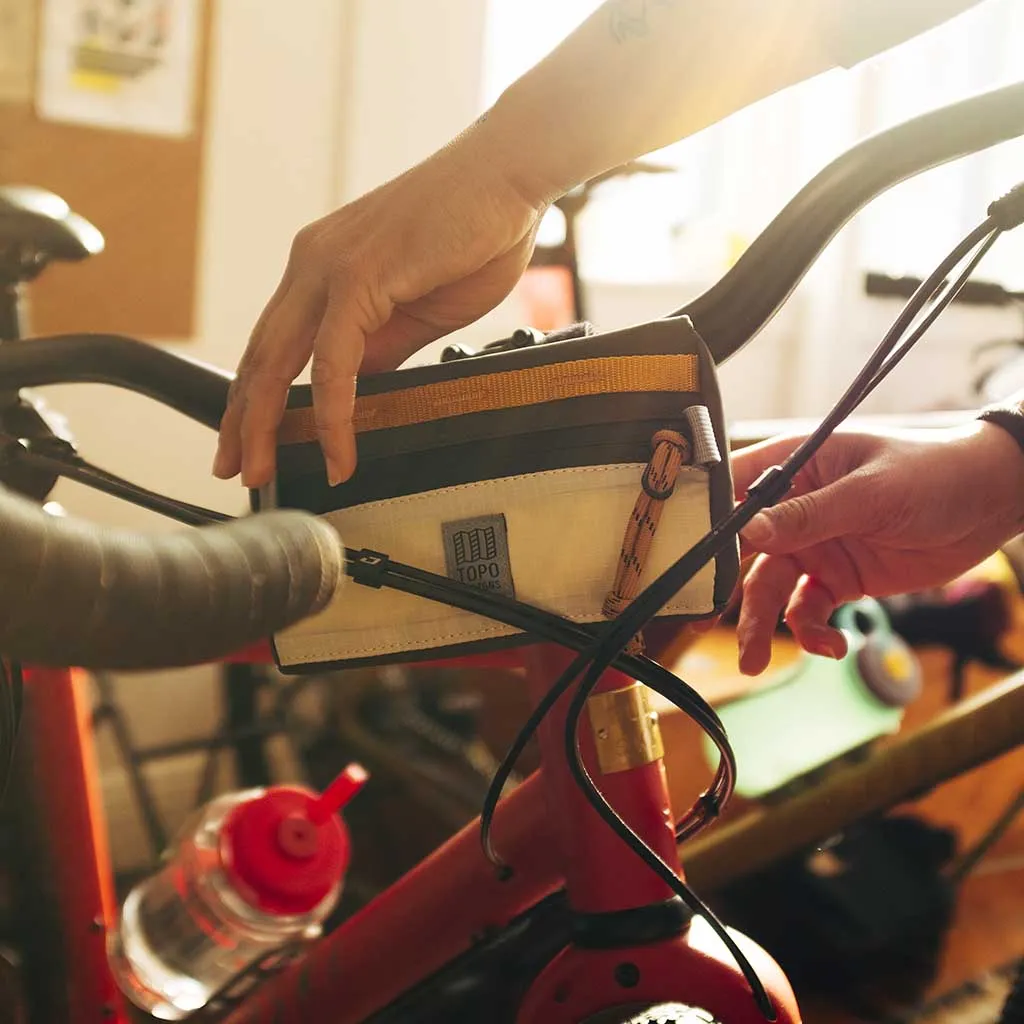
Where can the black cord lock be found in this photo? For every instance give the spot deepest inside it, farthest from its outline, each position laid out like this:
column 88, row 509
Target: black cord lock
column 770, row 487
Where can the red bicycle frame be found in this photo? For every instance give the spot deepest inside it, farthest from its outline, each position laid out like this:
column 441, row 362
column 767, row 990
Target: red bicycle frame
column 546, row 832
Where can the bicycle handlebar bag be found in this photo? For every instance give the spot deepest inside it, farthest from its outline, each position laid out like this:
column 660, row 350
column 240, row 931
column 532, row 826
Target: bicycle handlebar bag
column 567, row 474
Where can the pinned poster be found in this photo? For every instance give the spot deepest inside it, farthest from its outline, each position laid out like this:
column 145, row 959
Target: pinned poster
column 17, row 34
column 126, row 65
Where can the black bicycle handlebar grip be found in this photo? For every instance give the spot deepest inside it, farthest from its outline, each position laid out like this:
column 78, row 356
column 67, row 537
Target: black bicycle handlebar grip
column 73, row 593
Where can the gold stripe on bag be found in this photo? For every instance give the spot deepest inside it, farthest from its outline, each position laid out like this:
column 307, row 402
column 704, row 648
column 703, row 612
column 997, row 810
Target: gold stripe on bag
column 507, row 389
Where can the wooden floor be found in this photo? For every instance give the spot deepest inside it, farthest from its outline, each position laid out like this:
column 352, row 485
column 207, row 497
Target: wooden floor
column 989, row 926
column 988, row 931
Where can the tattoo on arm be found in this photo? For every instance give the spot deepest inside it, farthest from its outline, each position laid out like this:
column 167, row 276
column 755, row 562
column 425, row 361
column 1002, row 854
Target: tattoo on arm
column 629, row 19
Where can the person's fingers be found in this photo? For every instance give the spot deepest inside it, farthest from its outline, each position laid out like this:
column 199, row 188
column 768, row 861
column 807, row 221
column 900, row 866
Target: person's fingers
column 227, row 462
column 284, row 349
column 417, row 321
column 398, row 338
column 736, row 597
column 337, row 354
column 834, row 510
column 261, row 410
column 807, row 615
column 766, row 592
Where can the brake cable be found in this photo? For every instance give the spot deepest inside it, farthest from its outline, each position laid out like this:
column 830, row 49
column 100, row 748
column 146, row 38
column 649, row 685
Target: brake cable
column 57, row 456
column 1005, row 214
column 374, row 569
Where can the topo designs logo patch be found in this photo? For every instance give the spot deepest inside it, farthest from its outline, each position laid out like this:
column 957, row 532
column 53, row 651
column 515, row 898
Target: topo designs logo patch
column 476, row 552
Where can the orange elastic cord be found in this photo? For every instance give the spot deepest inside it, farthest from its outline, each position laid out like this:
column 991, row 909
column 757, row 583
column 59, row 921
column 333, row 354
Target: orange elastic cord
column 671, row 453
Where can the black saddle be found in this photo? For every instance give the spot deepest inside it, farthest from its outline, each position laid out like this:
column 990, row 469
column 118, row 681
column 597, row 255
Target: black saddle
column 37, row 227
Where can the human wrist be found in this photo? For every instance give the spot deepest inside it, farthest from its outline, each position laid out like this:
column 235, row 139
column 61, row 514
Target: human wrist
column 523, row 136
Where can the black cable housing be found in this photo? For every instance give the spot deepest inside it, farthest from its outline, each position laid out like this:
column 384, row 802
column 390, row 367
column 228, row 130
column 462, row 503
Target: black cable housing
column 766, row 491
column 371, row 568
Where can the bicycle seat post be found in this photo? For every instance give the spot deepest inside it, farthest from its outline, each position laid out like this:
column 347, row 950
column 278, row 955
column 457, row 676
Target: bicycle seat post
column 12, row 312
column 36, row 228
column 12, row 321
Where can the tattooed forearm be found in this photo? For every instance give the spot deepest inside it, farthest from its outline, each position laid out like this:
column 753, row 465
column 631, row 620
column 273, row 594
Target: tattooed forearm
column 629, row 19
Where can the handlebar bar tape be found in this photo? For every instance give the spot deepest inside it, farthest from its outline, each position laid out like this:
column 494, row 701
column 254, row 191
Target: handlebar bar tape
column 72, row 593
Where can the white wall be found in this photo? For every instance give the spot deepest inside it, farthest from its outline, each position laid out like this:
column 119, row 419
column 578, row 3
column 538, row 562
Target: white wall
column 415, row 77
column 310, row 104
column 272, row 163
column 417, row 81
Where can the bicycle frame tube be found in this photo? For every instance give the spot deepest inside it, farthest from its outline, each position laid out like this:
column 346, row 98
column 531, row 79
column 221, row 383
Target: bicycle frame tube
column 627, row 950
column 427, row 918
column 601, row 874
column 434, row 913
column 413, row 929
column 547, row 833
column 56, row 728
column 545, row 830
column 417, row 926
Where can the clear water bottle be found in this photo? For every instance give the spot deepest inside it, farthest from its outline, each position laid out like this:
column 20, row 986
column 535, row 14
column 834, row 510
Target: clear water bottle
column 251, row 879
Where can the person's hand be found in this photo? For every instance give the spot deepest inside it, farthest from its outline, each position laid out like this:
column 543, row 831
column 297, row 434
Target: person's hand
column 871, row 515
column 368, row 285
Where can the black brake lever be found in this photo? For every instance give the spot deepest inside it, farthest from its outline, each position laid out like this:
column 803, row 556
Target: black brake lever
column 56, row 456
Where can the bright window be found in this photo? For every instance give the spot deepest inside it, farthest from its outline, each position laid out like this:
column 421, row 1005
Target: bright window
column 731, row 179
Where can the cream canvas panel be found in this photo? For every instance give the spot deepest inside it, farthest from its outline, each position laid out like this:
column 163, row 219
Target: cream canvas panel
column 564, row 529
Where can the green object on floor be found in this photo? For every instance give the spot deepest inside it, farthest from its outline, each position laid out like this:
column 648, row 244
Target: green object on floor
column 820, row 709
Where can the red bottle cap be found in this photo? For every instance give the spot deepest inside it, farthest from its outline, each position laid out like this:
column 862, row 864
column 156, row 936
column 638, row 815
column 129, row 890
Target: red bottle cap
column 287, row 849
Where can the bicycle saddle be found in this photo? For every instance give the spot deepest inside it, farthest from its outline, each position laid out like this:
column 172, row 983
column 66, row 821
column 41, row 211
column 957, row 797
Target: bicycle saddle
column 36, row 227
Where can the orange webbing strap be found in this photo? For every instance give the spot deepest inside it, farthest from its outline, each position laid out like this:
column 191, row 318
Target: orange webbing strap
column 508, row 389
column 671, row 452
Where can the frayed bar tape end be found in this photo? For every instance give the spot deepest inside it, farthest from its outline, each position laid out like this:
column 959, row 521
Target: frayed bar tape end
column 1008, row 211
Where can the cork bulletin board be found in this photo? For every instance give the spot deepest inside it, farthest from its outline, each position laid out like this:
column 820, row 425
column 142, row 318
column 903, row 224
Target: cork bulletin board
column 141, row 188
